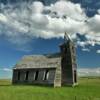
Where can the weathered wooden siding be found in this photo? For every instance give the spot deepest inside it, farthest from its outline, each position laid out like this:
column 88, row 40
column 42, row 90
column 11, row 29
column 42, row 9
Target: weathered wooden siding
column 68, row 63
column 31, row 75
column 57, row 81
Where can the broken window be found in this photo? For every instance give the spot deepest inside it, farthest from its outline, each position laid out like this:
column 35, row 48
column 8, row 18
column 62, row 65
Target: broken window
column 26, row 75
column 18, row 75
column 46, row 75
column 36, row 75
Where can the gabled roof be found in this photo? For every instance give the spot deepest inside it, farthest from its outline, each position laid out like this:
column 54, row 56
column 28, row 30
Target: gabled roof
column 39, row 61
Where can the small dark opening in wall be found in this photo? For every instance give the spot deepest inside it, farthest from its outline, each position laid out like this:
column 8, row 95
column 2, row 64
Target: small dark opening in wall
column 36, row 75
column 26, row 77
column 18, row 75
column 75, row 76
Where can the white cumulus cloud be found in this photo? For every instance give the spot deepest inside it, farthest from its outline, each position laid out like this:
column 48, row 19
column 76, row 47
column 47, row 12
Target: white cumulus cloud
column 29, row 19
column 37, row 20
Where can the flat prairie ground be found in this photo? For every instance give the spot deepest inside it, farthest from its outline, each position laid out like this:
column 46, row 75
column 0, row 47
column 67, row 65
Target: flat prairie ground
column 88, row 89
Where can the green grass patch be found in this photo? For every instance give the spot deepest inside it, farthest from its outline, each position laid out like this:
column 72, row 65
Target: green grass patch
column 88, row 89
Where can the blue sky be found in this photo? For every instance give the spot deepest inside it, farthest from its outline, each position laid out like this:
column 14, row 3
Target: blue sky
column 14, row 47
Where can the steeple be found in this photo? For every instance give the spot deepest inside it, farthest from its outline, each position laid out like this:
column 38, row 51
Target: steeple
column 66, row 38
column 68, row 61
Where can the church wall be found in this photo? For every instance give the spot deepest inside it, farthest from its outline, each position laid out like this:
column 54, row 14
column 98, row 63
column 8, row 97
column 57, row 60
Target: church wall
column 15, row 76
column 32, row 74
column 68, row 63
column 57, row 81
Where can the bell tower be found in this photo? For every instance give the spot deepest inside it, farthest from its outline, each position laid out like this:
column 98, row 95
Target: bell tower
column 68, row 62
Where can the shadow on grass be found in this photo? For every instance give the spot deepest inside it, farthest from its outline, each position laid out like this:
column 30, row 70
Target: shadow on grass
column 35, row 85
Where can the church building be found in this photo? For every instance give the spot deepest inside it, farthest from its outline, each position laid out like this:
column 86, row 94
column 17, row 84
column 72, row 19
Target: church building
column 52, row 69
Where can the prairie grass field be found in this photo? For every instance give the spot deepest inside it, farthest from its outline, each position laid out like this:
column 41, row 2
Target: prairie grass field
column 88, row 89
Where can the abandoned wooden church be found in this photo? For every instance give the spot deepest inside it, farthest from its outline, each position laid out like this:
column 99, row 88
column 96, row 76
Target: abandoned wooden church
column 55, row 69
